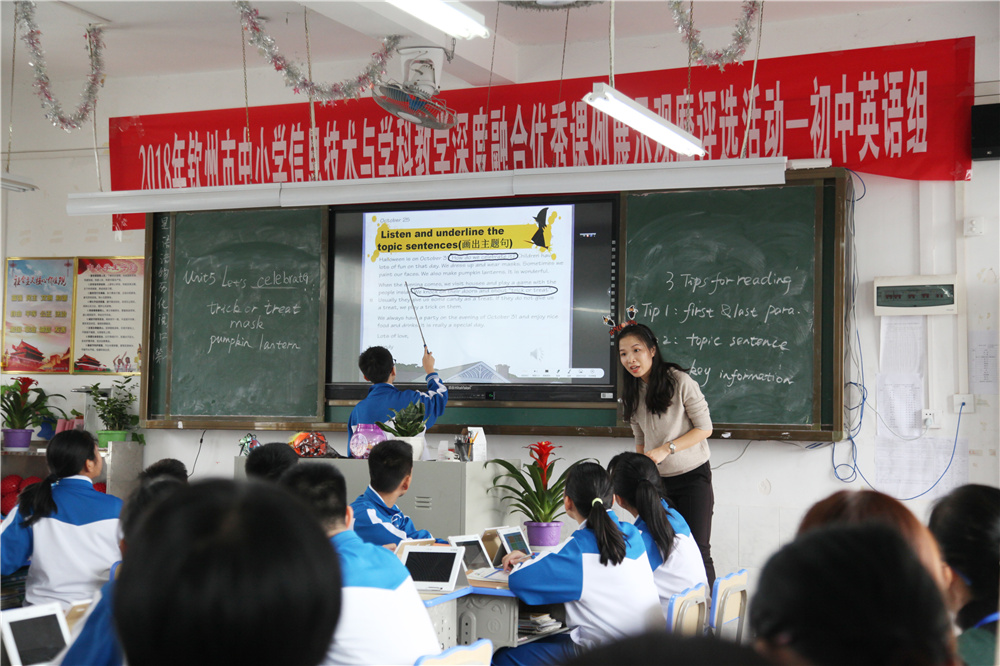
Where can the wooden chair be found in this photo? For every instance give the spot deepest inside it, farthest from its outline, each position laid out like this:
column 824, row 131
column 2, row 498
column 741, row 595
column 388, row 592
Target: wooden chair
column 729, row 605
column 477, row 654
column 687, row 611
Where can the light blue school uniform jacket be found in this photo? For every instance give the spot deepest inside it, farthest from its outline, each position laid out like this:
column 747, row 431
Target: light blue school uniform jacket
column 383, row 397
column 70, row 551
column 603, row 603
column 382, row 618
column 684, row 566
column 379, row 524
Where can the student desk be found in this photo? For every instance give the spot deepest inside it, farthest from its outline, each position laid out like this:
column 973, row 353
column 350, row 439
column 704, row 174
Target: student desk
column 443, row 609
column 470, row 613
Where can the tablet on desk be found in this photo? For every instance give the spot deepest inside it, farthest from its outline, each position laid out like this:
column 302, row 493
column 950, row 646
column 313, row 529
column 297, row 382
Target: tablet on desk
column 495, row 547
column 434, row 568
column 513, row 539
column 409, row 543
column 35, row 634
column 475, row 556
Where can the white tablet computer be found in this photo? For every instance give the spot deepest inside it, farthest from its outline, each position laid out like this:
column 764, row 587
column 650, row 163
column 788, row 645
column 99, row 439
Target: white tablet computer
column 513, row 539
column 495, row 547
column 35, row 634
column 475, row 556
column 434, row 568
column 409, row 543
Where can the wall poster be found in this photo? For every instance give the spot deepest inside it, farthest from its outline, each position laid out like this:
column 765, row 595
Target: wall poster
column 107, row 324
column 38, row 315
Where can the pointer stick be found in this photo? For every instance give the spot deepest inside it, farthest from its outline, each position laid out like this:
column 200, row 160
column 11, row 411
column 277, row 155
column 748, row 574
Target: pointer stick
column 408, row 293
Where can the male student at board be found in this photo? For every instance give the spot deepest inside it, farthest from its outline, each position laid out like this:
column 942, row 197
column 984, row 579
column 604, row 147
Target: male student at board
column 378, row 367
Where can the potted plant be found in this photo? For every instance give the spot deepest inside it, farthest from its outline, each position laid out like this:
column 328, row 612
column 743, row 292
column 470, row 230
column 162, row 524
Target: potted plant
column 24, row 408
column 408, row 424
column 531, row 491
column 112, row 407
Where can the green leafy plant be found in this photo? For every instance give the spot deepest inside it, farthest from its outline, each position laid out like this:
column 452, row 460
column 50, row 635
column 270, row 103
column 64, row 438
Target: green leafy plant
column 528, row 490
column 406, row 422
column 113, row 408
column 26, row 407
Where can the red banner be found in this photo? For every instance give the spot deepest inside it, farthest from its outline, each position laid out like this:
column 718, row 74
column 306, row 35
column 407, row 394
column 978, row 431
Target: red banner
column 901, row 111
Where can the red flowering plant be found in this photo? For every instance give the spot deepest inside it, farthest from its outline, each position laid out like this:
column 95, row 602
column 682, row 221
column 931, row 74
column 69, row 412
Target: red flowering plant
column 26, row 407
column 527, row 489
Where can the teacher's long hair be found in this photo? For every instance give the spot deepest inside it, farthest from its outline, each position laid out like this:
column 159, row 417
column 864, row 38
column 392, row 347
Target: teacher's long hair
column 662, row 383
column 589, row 486
column 67, row 454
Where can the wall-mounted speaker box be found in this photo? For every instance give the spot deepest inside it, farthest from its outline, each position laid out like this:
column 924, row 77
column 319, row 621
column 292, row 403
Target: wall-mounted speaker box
column 986, row 132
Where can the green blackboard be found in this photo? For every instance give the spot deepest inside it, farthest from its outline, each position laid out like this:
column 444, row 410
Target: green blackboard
column 237, row 315
column 732, row 282
column 159, row 317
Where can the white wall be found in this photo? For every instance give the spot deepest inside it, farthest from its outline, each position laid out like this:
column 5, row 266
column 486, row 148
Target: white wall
column 903, row 228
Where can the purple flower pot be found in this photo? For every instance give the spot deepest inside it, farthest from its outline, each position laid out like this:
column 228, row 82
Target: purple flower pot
column 17, row 438
column 544, row 534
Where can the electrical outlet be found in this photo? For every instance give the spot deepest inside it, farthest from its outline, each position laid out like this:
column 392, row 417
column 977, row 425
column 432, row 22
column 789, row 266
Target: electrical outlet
column 967, row 398
column 974, row 226
column 930, row 419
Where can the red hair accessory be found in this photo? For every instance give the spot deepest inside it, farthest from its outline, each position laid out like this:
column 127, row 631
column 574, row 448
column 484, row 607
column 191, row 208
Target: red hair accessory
column 631, row 311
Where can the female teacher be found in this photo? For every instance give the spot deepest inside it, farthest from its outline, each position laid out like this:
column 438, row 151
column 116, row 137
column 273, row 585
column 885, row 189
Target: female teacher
column 670, row 419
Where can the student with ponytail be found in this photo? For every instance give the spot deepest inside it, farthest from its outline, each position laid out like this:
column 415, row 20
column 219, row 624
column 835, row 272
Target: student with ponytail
column 600, row 573
column 67, row 530
column 672, row 551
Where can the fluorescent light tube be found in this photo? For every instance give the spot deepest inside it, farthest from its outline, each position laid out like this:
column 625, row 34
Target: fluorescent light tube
column 452, row 18
column 609, row 178
column 13, row 183
column 642, row 120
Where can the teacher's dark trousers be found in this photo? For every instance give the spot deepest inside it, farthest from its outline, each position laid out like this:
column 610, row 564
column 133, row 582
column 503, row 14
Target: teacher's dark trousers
column 692, row 495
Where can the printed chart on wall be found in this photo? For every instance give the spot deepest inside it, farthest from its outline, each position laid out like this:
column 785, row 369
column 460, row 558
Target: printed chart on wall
column 38, row 315
column 107, row 333
column 482, row 281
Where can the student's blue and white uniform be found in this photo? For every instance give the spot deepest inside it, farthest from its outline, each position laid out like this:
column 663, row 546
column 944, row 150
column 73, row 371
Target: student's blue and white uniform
column 379, row 524
column 383, row 397
column 382, row 618
column 603, row 603
column 684, row 567
column 95, row 643
column 70, row 551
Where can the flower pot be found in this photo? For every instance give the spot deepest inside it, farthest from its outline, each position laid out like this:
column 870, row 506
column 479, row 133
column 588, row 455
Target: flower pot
column 105, row 436
column 17, row 438
column 544, row 534
column 417, row 442
column 364, row 437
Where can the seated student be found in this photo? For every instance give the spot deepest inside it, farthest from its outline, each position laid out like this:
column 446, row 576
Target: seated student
column 95, row 642
column 375, row 583
column 861, row 506
column 377, row 366
column 601, row 573
column 672, row 551
column 966, row 523
column 669, row 649
column 270, row 461
column 227, row 573
column 850, row 594
column 377, row 519
column 67, row 530
column 165, row 467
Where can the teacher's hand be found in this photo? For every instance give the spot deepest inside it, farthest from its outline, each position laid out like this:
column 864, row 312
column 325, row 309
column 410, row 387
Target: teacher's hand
column 658, row 455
